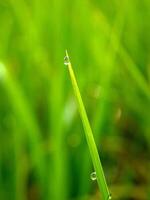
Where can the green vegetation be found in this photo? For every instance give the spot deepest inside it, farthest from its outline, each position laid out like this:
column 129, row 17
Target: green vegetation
column 43, row 151
column 89, row 135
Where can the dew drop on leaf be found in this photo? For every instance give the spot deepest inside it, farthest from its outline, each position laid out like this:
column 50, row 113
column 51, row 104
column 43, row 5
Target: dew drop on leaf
column 93, row 176
column 66, row 60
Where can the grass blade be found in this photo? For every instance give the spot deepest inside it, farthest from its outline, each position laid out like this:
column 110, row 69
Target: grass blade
column 89, row 135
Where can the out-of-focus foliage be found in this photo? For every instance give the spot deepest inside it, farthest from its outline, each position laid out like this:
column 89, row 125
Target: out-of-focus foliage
column 43, row 152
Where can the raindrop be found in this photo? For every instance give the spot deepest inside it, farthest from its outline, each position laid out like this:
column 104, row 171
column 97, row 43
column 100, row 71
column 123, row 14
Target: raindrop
column 109, row 197
column 66, row 60
column 93, row 176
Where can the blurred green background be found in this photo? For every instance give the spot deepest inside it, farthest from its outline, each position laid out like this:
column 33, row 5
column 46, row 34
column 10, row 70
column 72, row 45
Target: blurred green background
column 43, row 151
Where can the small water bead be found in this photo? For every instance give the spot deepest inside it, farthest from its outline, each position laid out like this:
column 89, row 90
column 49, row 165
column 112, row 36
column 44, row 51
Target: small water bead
column 66, row 60
column 93, row 176
column 109, row 197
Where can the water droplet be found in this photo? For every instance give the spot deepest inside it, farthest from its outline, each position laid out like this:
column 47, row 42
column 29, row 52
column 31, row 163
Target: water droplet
column 109, row 197
column 66, row 60
column 93, row 176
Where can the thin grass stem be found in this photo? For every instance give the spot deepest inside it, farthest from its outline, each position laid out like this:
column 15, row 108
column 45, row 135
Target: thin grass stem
column 89, row 135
